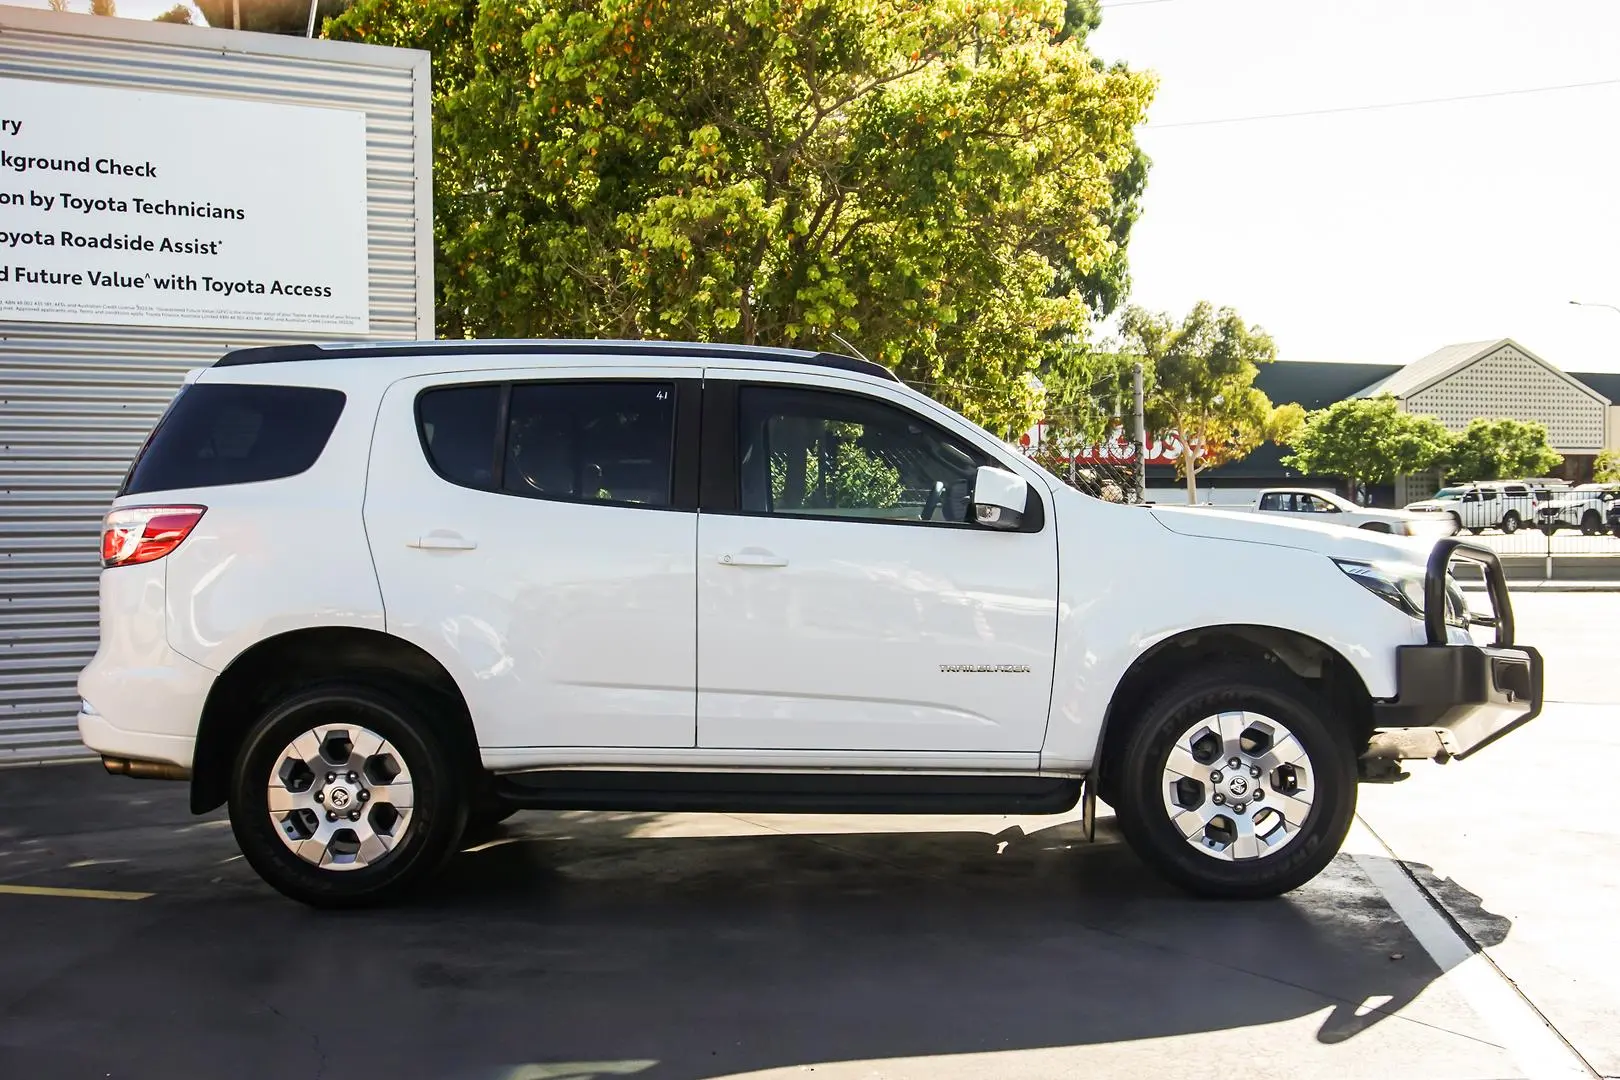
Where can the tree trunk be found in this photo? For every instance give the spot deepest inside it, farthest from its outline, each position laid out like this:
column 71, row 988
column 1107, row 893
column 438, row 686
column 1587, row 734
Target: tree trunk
column 1192, row 474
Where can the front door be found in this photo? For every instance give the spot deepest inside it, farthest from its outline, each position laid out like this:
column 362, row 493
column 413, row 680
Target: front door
column 845, row 602
column 533, row 536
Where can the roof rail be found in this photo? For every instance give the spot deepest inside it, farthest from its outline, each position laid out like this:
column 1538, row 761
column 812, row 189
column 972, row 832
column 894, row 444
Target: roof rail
column 282, row 354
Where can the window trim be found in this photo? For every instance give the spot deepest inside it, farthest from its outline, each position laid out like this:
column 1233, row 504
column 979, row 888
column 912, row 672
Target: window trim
column 722, row 444
column 684, row 433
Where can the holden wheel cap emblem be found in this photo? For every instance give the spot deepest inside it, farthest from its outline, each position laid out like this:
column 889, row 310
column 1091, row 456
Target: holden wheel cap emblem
column 339, row 798
column 1238, row 786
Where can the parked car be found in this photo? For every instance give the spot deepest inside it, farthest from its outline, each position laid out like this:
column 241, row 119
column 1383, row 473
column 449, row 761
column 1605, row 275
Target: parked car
column 1584, row 507
column 368, row 595
column 1614, row 517
column 1333, row 509
column 1503, row 504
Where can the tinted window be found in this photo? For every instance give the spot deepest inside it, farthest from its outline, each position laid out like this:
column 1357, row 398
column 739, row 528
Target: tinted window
column 833, row 455
column 458, row 432
column 235, row 434
column 1272, row 501
column 608, row 441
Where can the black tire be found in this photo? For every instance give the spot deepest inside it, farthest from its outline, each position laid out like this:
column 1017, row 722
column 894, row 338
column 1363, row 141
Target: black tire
column 1591, row 524
column 1474, row 532
column 1456, row 521
column 1259, row 688
column 1510, row 522
column 438, row 805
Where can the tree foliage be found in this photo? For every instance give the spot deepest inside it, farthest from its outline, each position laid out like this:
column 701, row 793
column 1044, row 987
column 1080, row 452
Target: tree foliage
column 1369, row 441
column 947, row 183
column 1606, row 469
column 1203, row 384
column 271, row 16
column 103, row 7
column 1501, row 449
column 180, row 13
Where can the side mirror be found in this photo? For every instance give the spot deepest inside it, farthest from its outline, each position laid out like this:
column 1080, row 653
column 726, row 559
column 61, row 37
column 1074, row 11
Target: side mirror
column 999, row 498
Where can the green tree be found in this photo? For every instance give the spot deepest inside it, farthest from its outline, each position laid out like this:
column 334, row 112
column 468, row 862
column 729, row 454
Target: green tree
column 180, row 13
column 270, row 16
column 1606, row 469
column 1368, row 441
column 948, row 183
column 1501, row 449
column 1203, row 385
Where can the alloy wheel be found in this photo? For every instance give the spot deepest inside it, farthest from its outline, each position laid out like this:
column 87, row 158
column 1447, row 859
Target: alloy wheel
column 340, row 797
column 1238, row 786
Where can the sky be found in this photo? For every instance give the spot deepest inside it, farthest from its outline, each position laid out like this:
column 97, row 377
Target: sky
column 1381, row 235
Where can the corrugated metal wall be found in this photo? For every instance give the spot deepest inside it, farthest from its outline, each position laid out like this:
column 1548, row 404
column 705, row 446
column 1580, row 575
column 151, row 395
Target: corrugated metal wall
column 76, row 401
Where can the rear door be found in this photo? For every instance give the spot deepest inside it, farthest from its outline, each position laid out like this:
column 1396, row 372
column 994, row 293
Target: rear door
column 845, row 601
column 536, row 533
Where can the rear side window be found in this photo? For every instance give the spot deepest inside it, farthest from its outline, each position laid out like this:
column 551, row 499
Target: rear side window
column 458, row 432
column 221, row 434
column 610, row 441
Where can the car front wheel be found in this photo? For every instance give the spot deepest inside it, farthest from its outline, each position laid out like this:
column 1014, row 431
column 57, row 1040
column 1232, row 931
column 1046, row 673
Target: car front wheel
column 1236, row 782
column 1510, row 522
column 343, row 797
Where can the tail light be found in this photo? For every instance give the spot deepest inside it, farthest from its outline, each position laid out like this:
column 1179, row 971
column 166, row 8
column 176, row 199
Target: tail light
column 138, row 534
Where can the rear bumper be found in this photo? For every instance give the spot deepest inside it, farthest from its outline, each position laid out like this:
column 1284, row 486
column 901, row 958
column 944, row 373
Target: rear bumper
column 105, row 738
column 1453, row 700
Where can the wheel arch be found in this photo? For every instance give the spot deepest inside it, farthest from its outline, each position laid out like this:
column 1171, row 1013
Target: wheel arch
column 1317, row 664
column 276, row 665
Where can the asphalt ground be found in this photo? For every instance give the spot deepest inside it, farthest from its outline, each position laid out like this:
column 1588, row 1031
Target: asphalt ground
column 1459, row 935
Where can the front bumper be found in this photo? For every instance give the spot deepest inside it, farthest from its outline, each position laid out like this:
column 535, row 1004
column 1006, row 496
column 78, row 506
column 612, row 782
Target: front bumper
column 1559, row 516
column 1454, row 699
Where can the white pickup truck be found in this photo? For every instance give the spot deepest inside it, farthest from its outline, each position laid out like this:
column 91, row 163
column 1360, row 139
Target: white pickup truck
column 370, row 595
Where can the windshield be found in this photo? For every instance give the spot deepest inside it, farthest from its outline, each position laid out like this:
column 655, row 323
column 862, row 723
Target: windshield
column 1450, row 493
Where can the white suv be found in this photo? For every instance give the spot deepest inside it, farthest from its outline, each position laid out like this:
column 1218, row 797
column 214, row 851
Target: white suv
column 1504, row 505
column 371, row 595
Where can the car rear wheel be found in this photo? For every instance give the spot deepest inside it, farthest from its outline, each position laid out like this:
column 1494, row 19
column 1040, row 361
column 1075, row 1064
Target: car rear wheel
column 1510, row 522
column 342, row 796
column 1237, row 782
column 1591, row 524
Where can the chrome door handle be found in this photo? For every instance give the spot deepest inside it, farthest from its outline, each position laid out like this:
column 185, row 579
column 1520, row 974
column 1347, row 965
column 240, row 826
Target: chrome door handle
column 442, row 542
column 752, row 558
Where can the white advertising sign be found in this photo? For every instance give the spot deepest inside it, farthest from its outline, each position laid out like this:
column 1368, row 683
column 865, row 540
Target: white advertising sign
column 155, row 209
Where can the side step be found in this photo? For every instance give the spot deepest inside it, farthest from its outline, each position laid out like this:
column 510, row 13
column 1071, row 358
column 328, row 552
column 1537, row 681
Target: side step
column 788, row 793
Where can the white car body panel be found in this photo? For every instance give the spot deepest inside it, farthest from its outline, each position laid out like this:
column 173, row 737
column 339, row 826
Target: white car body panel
column 847, row 645
column 1204, row 568
column 568, row 624
column 282, row 555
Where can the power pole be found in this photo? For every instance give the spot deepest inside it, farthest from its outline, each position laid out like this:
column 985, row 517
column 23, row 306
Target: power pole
column 1141, row 434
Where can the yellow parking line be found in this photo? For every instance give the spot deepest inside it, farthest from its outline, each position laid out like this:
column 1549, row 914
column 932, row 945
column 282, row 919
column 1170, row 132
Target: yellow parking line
column 80, row 894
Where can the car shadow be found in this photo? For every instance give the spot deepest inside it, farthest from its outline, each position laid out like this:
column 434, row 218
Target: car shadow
column 686, row 947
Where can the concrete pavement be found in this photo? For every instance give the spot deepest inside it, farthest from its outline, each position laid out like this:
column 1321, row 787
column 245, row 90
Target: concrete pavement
column 686, row 947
